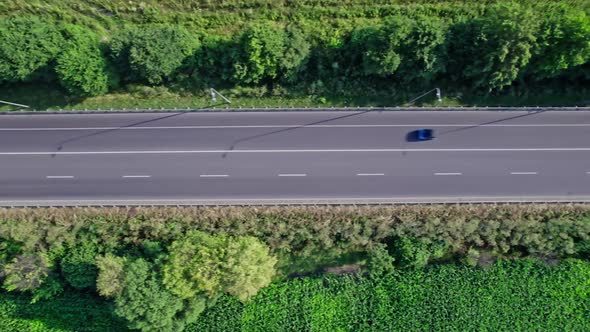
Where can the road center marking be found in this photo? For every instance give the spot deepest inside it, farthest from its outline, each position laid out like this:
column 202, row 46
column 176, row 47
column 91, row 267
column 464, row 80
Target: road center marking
column 213, row 175
column 294, row 175
column 137, row 176
column 370, row 174
column 448, row 173
column 523, row 173
column 59, row 177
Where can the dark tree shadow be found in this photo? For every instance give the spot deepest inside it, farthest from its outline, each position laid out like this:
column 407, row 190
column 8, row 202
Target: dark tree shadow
column 491, row 122
column 248, row 138
column 61, row 144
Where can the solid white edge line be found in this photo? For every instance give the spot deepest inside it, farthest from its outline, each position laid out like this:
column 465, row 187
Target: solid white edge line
column 49, row 153
column 370, row 174
column 448, row 173
column 297, row 126
column 523, row 173
column 213, row 175
column 136, row 176
column 59, row 177
column 292, row 175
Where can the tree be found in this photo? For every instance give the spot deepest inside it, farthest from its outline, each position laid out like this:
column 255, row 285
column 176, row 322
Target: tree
column 78, row 266
column 563, row 42
column 214, row 60
column 296, row 54
column 490, row 52
column 147, row 305
column 152, row 53
column 412, row 252
column 28, row 47
column 25, row 273
column 379, row 261
column 81, row 67
column 378, row 48
column 111, row 275
column 202, row 263
column 263, row 48
column 422, row 51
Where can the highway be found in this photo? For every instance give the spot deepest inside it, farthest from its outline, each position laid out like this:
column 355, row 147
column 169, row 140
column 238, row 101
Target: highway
column 293, row 157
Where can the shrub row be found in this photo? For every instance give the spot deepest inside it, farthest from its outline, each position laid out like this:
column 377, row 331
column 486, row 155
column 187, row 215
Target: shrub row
column 528, row 229
column 501, row 45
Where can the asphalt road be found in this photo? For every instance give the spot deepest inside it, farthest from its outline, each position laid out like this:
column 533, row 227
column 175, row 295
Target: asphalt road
column 293, row 157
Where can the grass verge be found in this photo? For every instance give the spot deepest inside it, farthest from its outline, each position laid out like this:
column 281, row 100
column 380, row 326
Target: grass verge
column 43, row 97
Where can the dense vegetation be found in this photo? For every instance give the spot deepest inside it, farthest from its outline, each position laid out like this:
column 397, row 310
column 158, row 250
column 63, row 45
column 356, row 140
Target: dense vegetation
column 173, row 269
column 277, row 48
column 509, row 296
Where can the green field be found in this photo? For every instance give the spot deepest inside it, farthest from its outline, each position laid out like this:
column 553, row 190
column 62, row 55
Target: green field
column 511, row 296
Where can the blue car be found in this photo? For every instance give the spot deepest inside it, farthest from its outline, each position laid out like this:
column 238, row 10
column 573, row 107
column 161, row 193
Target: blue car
column 425, row 134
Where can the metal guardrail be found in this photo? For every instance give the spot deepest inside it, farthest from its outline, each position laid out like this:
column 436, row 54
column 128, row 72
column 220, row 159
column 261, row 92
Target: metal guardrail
column 304, row 109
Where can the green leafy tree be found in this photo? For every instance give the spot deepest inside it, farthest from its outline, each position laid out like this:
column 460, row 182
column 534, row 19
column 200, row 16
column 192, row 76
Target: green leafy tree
column 263, row 48
column 8, row 250
column 28, row 48
column 411, row 252
column 423, row 50
column 32, row 273
column 490, row 52
column 296, row 55
column 147, row 305
column 82, row 67
column 378, row 48
column 152, row 53
column 111, row 275
column 214, row 60
column 201, row 263
column 563, row 42
column 78, row 266
column 379, row 261
column 25, row 273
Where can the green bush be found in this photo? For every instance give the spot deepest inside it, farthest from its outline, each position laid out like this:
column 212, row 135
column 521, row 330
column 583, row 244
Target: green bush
column 29, row 45
column 563, row 42
column 200, row 263
column 79, row 264
column 70, row 311
column 492, row 51
column 148, row 306
column 379, row 261
column 152, row 53
column 111, row 276
column 25, row 273
column 263, row 48
column 81, row 67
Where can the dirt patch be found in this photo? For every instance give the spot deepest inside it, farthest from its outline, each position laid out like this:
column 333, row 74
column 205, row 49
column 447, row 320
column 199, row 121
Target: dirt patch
column 343, row 269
